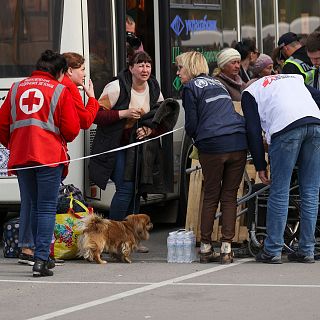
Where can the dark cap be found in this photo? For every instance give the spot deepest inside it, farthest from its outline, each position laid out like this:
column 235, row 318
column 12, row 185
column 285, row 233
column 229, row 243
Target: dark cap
column 287, row 38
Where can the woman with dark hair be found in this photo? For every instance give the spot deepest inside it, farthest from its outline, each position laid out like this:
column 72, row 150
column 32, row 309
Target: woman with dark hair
column 249, row 54
column 37, row 119
column 73, row 78
column 126, row 102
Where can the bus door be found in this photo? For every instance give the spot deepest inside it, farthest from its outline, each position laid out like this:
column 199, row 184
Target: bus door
column 103, row 51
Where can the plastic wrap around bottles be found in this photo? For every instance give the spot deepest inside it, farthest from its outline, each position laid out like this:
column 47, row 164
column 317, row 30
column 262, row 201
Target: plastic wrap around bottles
column 181, row 245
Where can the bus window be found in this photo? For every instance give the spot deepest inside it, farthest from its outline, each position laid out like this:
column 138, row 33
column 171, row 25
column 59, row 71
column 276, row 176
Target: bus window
column 100, row 44
column 195, row 25
column 28, row 27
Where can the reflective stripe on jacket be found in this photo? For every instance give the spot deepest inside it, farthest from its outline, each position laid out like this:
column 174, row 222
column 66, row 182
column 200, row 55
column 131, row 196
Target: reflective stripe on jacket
column 38, row 118
column 46, row 125
column 304, row 68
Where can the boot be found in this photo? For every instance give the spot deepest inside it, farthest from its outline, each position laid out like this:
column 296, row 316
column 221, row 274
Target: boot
column 226, row 254
column 40, row 269
column 207, row 253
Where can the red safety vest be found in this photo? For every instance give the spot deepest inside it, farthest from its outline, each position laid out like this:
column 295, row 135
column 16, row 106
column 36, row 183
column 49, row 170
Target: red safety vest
column 35, row 136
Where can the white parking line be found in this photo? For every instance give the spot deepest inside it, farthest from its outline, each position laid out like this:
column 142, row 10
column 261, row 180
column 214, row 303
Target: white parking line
column 126, row 283
column 77, row 282
column 249, row 285
column 129, row 293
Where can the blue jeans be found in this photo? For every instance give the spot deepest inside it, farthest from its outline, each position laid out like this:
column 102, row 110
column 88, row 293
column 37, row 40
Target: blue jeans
column 39, row 189
column 124, row 201
column 302, row 146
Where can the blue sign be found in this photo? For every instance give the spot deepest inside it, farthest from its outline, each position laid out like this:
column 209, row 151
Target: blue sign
column 177, row 25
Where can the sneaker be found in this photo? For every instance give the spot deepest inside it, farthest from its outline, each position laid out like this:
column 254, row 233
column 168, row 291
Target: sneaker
column 142, row 249
column 262, row 256
column 299, row 257
column 207, row 257
column 40, row 269
column 226, row 258
column 26, row 259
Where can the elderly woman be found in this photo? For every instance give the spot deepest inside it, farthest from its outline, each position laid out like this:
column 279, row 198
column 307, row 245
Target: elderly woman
column 219, row 134
column 227, row 73
column 262, row 67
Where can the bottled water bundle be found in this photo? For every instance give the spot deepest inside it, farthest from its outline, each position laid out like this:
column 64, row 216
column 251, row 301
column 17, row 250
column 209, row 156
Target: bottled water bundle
column 181, row 246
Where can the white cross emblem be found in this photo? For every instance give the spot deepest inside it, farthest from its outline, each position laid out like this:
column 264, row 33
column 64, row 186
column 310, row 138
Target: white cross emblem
column 31, row 101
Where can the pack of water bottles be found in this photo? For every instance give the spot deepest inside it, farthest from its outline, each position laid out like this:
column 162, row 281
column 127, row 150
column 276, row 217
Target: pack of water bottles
column 181, row 245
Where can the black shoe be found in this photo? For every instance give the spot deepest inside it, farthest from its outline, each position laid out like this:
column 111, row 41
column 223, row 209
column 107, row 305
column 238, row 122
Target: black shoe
column 262, row 256
column 40, row 269
column 51, row 263
column 26, row 259
column 299, row 257
column 208, row 257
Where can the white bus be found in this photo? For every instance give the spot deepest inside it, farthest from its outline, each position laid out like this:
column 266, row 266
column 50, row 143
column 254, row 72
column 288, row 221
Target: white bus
column 96, row 29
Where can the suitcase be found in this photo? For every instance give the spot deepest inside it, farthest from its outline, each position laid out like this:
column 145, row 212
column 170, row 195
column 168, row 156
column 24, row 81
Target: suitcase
column 11, row 238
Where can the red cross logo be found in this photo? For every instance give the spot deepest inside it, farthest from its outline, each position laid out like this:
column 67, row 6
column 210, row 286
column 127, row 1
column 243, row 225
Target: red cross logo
column 268, row 80
column 31, row 101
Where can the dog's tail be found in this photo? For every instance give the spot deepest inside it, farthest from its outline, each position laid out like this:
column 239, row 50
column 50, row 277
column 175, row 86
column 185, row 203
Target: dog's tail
column 90, row 238
column 94, row 223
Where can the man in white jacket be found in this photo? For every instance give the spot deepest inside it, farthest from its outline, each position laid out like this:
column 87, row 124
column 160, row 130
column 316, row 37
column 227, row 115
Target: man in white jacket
column 287, row 111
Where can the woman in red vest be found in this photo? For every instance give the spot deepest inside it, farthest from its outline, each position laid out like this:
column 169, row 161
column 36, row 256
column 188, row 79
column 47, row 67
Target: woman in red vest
column 73, row 77
column 37, row 119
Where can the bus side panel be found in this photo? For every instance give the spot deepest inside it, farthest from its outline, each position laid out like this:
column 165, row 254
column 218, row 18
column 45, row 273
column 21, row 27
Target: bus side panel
column 72, row 41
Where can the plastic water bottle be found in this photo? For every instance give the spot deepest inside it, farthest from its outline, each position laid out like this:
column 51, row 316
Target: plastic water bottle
column 187, row 247
column 180, row 247
column 194, row 243
column 171, row 246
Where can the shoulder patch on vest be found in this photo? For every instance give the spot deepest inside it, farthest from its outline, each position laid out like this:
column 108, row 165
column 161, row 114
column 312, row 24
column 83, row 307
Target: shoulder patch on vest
column 201, row 83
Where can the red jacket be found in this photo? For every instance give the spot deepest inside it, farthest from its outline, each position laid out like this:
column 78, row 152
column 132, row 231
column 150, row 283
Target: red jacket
column 36, row 125
column 86, row 113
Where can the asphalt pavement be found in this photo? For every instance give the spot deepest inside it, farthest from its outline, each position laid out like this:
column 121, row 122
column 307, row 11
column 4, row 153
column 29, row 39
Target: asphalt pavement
column 150, row 288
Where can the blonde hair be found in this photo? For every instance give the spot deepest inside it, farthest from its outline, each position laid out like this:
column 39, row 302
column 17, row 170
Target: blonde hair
column 194, row 63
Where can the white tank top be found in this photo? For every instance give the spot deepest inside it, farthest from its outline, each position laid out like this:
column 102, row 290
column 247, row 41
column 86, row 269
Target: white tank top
column 282, row 99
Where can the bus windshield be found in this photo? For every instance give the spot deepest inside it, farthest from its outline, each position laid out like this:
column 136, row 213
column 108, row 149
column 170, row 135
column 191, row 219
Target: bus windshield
column 28, row 28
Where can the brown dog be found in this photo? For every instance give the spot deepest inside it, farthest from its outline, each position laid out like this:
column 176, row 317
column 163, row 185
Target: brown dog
column 119, row 238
